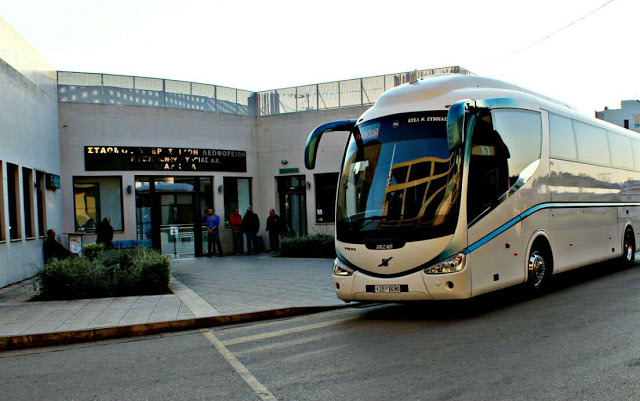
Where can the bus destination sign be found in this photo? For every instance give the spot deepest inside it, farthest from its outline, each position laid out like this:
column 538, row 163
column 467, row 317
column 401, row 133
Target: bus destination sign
column 102, row 158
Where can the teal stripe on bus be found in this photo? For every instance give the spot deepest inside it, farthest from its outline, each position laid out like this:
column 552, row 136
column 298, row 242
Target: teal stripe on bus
column 531, row 211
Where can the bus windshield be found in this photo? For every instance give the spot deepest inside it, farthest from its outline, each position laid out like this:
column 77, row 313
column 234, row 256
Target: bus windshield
column 399, row 180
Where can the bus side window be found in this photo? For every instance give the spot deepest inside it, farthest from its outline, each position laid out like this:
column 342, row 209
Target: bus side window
column 503, row 144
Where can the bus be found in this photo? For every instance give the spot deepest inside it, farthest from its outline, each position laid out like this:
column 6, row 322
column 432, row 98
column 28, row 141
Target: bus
column 452, row 186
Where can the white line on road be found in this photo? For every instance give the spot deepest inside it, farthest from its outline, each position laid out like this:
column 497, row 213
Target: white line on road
column 298, row 329
column 239, row 367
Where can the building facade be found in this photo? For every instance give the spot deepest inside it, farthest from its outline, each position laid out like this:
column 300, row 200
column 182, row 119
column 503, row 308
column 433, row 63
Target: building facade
column 29, row 156
column 627, row 116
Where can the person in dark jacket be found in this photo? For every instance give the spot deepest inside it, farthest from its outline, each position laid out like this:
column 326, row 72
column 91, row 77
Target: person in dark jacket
column 250, row 226
column 104, row 231
column 52, row 249
column 274, row 227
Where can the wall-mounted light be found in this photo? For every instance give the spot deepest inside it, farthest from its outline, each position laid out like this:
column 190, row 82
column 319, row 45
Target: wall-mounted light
column 284, row 161
column 308, row 185
column 129, row 189
column 219, row 189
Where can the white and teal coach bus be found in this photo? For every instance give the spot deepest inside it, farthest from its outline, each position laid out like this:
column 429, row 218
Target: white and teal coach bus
column 453, row 186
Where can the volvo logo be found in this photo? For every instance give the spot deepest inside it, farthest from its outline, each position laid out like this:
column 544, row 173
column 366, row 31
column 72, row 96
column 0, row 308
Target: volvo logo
column 385, row 262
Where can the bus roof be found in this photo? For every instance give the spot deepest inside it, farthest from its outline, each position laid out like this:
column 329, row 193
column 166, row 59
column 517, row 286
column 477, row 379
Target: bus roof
column 438, row 92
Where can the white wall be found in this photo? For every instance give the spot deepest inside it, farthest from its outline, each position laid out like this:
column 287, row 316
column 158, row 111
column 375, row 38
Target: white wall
column 29, row 138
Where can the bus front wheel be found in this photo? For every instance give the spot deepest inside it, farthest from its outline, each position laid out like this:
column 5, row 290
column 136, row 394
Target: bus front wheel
column 539, row 268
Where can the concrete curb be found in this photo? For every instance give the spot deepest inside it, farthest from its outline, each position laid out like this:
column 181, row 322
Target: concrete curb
column 16, row 342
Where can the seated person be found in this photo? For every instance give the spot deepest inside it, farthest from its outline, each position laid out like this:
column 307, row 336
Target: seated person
column 52, row 249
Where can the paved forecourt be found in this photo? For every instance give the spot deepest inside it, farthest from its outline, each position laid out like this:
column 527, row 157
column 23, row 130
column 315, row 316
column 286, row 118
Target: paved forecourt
column 242, row 284
column 202, row 287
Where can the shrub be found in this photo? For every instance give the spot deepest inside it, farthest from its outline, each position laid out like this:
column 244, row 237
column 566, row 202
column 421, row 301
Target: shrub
column 311, row 246
column 72, row 278
column 91, row 251
column 118, row 272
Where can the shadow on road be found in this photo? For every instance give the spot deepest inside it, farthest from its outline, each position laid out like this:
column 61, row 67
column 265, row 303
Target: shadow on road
column 463, row 309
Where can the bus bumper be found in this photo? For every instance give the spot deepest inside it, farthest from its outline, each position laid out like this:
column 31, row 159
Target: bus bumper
column 417, row 286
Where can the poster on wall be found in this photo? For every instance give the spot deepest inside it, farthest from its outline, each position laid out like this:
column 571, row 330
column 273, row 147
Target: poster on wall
column 636, row 123
column 128, row 158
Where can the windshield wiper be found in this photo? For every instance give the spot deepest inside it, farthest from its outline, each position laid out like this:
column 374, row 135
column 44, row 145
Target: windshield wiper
column 361, row 216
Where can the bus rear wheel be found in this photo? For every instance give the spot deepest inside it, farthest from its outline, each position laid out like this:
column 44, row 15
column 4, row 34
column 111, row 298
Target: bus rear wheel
column 539, row 269
column 628, row 247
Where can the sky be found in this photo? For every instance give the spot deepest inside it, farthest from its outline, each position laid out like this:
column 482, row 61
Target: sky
column 559, row 48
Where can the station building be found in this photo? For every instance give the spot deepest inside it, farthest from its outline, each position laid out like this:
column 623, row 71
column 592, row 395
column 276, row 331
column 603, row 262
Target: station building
column 154, row 155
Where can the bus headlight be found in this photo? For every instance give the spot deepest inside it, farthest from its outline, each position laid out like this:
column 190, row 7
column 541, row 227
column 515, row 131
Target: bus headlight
column 449, row 265
column 340, row 269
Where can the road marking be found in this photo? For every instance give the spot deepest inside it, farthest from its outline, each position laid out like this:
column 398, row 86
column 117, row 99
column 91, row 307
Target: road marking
column 278, row 333
column 233, row 329
column 255, row 385
column 305, row 340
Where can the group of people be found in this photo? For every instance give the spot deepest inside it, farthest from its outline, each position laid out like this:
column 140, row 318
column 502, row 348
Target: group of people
column 248, row 226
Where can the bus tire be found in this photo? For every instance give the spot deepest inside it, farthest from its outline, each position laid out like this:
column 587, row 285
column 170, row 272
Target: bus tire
column 628, row 247
column 539, row 266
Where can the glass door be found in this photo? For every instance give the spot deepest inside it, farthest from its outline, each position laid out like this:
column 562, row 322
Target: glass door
column 177, row 235
column 293, row 204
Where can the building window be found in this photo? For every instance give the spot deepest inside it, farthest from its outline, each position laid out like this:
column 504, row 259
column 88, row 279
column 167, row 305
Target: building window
column 237, row 194
column 41, row 203
column 13, row 190
column 3, row 233
column 325, row 188
column 27, row 196
column 96, row 198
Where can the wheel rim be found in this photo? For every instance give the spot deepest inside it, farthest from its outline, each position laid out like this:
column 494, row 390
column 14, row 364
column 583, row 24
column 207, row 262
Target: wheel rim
column 628, row 248
column 537, row 269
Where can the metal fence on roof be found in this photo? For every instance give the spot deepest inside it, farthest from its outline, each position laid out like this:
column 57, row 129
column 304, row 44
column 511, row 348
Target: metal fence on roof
column 78, row 87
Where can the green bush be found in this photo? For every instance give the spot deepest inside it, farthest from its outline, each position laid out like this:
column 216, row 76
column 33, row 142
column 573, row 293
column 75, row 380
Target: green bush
column 91, row 251
column 118, row 272
column 311, row 246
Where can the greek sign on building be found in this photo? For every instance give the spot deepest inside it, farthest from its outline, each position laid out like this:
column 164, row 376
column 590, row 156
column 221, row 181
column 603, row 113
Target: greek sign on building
column 127, row 158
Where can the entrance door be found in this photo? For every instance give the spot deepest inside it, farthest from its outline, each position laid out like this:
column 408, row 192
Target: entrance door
column 293, row 204
column 177, row 234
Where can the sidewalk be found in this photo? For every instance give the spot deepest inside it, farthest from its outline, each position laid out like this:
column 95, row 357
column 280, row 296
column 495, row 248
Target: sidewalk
column 203, row 287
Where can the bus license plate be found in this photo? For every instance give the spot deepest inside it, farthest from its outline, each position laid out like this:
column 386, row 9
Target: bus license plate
column 387, row 288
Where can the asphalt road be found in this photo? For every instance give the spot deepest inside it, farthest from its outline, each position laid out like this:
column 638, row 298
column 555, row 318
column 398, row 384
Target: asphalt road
column 579, row 341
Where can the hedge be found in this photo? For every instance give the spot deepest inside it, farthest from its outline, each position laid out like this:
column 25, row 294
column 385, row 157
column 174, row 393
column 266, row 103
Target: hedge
column 106, row 273
column 310, row 246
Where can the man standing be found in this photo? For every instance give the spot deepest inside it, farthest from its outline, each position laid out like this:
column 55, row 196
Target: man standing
column 236, row 227
column 274, row 226
column 213, row 223
column 251, row 225
column 104, row 232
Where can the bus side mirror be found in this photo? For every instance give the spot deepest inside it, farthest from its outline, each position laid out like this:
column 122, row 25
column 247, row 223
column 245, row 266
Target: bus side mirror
column 455, row 124
column 311, row 148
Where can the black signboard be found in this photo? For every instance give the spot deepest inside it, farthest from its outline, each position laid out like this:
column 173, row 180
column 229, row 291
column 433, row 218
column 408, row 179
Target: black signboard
column 101, row 158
